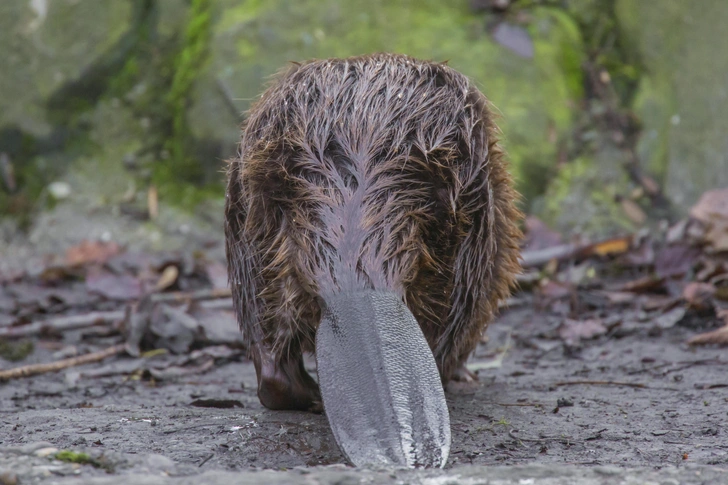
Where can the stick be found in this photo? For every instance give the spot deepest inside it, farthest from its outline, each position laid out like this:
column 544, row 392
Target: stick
column 61, row 323
column 181, row 296
column 72, row 322
column 34, row 369
column 602, row 383
column 563, row 252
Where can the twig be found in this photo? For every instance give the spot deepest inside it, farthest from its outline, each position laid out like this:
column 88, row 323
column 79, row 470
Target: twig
column 602, row 383
column 206, row 460
column 563, row 252
column 34, row 369
column 513, row 404
column 181, row 296
column 540, row 440
column 60, row 324
column 612, row 383
column 531, row 259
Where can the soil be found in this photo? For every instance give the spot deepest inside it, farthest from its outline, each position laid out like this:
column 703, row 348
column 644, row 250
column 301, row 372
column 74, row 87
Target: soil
column 632, row 394
column 644, row 399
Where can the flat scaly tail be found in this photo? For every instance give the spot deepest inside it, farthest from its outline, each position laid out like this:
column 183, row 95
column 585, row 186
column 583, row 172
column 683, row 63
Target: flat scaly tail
column 380, row 385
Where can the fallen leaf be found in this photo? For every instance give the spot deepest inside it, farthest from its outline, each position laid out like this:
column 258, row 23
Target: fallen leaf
column 553, row 290
column 112, row 286
column 174, row 328
column 176, row 371
column 572, row 331
column 620, row 297
column 712, row 210
column 633, row 211
column 697, row 295
column 676, row 232
column 669, row 319
column 643, row 255
column 538, row 235
column 717, row 236
column 676, row 260
column 167, row 278
column 659, row 302
column 642, row 285
column 217, row 274
column 719, row 337
column 650, row 185
column 91, row 252
column 712, row 205
column 219, row 327
column 610, row 246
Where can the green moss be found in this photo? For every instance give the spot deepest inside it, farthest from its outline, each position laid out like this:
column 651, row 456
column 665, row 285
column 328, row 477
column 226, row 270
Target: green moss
column 536, row 98
column 581, row 198
column 15, row 351
column 70, row 456
column 188, row 63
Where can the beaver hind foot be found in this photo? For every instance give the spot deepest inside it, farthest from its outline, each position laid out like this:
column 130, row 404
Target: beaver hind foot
column 285, row 385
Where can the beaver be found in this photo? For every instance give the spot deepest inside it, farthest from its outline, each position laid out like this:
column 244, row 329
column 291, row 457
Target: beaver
column 370, row 218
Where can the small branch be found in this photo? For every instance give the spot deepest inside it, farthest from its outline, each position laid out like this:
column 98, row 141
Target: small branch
column 182, row 296
column 563, row 252
column 532, row 259
column 602, row 383
column 59, row 324
column 35, row 369
column 636, row 385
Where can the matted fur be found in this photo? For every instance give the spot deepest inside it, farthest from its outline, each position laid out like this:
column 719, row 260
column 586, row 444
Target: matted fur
column 377, row 172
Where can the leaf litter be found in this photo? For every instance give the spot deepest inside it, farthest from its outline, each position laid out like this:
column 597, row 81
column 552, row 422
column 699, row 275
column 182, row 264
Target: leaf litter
column 595, row 323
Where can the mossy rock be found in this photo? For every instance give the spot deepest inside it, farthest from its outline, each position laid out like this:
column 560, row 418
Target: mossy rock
column 536, row 97
column 683, row 98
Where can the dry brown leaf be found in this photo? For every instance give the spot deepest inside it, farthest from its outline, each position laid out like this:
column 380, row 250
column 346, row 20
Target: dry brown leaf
column 712, row 205
column 698, row 295
column 217, row 274
column 553, row 290
column 167, row 278
column 538, row 235
column 642, row 285
column 91, row 252
column 611, row 246
column 153, row 202
column 670, row 319
column 717, row 236
column 620, row 297
column 633, row 211
column 572, row 331
column 675, row 260
column 113, row 287
column 712, row 210
column 650, row 185
column 719, row 337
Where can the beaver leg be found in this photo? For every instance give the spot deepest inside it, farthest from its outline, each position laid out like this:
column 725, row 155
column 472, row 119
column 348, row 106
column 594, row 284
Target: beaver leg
column 284, row 384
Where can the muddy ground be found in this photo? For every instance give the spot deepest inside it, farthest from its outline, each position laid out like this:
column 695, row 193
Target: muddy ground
column 635, row 397
column 584, row 378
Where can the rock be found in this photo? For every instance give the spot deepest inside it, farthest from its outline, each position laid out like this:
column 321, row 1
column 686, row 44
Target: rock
column 683, row 98
column 45, row 452
column 45, row 44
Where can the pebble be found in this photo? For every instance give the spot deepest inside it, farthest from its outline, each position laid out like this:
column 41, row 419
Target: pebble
column 8, row 478
column 59, row 190
column 44, row 452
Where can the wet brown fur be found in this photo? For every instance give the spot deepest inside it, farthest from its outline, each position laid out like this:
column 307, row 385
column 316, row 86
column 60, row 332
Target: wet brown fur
column 381, row 168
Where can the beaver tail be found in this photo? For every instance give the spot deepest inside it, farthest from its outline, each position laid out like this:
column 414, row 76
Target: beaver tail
column 379, row 382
